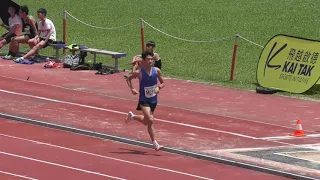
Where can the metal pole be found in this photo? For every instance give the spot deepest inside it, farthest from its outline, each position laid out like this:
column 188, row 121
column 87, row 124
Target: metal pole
column 235, row 47
column 64, row 29
column 142, row 34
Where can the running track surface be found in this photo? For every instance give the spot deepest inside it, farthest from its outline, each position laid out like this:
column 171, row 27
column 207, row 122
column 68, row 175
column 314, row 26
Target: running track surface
column 36, row 152
column 228, row 102
column 217, row 119
column 192, row 130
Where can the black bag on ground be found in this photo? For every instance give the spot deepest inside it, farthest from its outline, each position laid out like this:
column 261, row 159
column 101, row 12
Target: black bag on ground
column 74, row 60
column 71, row 60
column 105, row 71
column 262, row 90
column 83, row 66
column 97, row 66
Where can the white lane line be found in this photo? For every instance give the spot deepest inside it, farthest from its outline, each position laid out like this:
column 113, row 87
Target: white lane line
column 60, row 165
column 125, row 113
column 17, row 175
column 289, row 137
column 291, row 156
column 105, row 157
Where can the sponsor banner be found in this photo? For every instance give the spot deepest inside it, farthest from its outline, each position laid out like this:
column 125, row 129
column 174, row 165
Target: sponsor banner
column 289, row 63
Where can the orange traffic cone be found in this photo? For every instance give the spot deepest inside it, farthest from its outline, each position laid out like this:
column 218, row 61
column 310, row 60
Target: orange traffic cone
column 298, row 132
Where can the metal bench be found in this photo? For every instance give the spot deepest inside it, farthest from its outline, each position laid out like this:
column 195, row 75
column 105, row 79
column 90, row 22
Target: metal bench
column 115, row 55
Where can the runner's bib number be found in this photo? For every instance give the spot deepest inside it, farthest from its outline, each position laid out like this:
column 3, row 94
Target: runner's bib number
column 150, row 91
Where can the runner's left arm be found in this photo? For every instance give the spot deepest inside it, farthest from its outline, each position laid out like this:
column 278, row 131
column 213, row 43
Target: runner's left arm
column 161, row 85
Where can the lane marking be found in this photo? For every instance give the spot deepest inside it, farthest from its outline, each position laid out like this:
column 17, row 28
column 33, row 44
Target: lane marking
column 291, row 156
column 313, row 146
column 285, row 143
column 292, row 152
column 60, row 165
column 249, row 149
column 116, row 97
column 124, row 113
column 17, row 175
column 289, row 137
column 105, row 157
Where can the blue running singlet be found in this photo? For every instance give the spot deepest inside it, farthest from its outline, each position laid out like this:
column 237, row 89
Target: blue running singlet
column 148, row 85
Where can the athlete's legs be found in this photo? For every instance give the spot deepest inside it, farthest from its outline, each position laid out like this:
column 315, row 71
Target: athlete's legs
column 148, row 120
column 140, row 118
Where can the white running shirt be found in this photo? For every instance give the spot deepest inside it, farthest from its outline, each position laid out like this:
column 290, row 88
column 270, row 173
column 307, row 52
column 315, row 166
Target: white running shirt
column 45, row 28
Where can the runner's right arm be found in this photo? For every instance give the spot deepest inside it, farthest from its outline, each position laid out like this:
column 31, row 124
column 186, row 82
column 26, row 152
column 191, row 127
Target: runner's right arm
column 134, row 75
column 161, row 85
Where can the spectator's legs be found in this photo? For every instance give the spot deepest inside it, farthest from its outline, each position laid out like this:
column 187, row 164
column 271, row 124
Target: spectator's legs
column 14, row 45
column 2, row 43
column 34, row 49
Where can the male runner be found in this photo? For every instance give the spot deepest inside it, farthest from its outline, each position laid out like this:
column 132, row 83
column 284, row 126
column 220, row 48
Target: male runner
column 148, row 93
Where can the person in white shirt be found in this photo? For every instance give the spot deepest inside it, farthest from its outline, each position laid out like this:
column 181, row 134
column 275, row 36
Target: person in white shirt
column 14, row 28
column 46, row 35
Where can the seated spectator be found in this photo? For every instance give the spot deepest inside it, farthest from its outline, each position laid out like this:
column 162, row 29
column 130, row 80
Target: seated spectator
column 150, row 45
column 29, row 26
column 14, row 28
column 137, row 59
column 46, row 34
